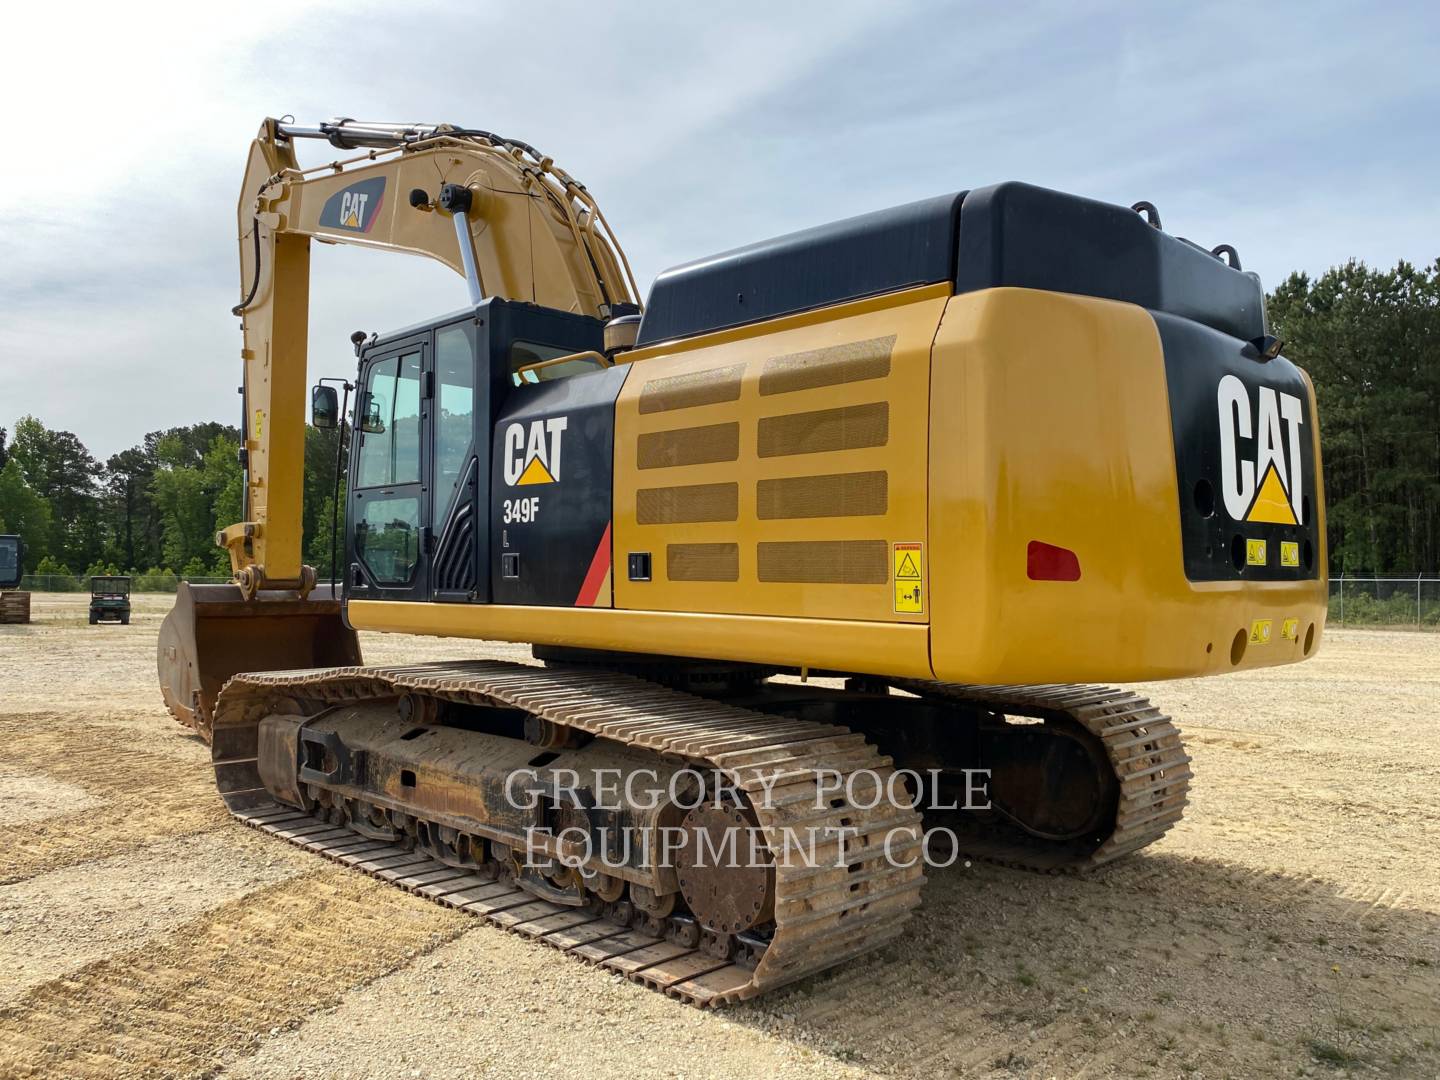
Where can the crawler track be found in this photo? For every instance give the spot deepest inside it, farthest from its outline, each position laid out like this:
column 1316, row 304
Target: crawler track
column 1143, row 748
column 846, row 899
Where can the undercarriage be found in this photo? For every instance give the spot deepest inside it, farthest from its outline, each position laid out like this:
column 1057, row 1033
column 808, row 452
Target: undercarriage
column 710, row 831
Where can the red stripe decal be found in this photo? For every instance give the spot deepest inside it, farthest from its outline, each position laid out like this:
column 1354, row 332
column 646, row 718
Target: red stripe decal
column 599, row 567
column 375, row 213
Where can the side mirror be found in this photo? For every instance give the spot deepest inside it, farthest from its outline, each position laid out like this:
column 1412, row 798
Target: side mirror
column 324, row 407
column 370, row 421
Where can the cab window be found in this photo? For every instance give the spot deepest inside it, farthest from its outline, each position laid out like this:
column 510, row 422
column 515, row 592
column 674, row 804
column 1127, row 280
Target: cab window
column 387, row 539
column 525, row 353
column 454, row 415
column 390, row 423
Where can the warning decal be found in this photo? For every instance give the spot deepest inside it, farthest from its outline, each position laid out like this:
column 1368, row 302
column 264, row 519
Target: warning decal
column 1290, row 629
column 1255, row 553
column 1289, row 553
column 909, row 578
column 1260, row 632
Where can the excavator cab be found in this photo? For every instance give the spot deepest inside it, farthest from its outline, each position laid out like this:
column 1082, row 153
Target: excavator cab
column 456, row 448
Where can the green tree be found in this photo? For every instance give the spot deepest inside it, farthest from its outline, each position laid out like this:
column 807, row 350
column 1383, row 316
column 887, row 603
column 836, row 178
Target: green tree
column 317, row 554
column 190, row 444
column 134, row 523
column 223, row 476
column 186, row 515
column 24, row 513
column 192, row 493
column 133, row 520
column 60, row 470
column 1370, row 340
column 320, row 449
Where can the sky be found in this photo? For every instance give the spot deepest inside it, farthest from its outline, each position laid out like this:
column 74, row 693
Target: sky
column 1304, row 134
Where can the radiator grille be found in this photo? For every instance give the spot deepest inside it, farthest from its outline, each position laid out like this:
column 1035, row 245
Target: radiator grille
column 688, row 446
column 839, row 562
column 702, row 562
column 693, row 502
column 691, row 389
column 854, row 361
column 859, row 494
column 824, row 430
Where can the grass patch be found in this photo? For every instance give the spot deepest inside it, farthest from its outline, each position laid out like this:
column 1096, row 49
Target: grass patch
column 1327, row 1053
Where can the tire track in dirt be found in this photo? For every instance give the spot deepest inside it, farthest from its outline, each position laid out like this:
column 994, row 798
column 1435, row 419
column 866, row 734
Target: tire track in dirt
column 204, row 996
column 1252, row 951
column 145, row 796
column 55, row 923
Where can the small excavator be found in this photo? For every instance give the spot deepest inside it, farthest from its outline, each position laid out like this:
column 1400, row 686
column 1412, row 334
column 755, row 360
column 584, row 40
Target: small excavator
column 827, row 535
column 14, row 606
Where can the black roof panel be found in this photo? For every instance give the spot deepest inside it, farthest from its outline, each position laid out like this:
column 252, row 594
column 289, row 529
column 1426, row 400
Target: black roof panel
column 1011, row 234
column 1033, row 238
column 845, row 260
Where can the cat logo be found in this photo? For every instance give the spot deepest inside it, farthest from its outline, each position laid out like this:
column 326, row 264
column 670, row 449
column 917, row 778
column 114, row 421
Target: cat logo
column 352, row 208
column 1261, row 476
column 532, row 451
column 356, row 208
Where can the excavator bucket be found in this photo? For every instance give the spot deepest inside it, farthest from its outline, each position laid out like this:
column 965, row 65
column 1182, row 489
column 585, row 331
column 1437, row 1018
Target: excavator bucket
column 214, row 633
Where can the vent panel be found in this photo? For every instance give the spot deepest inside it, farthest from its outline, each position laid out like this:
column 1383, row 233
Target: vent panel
column 825, row 430
column 688, row 446
column 694, row 388
column 690, row 503
column 825, row 562
column 860, row 494
column 702, row 562
column 854, row 361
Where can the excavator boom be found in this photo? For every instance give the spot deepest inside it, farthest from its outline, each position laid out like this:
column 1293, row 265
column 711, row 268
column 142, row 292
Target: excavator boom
column 494, row 210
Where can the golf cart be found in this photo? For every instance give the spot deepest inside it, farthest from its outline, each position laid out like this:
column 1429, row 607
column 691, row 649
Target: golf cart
column 110, row 600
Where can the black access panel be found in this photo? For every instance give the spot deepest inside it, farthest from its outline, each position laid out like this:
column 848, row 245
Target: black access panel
column 551, row 480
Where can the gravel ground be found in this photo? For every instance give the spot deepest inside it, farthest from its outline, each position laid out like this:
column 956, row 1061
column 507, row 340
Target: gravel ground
column 1289, row 926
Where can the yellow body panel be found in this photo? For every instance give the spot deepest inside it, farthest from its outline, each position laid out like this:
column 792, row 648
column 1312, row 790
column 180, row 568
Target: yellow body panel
column 868, row 647
column 757, row 406
column 1013, row 415
column 1053, row 424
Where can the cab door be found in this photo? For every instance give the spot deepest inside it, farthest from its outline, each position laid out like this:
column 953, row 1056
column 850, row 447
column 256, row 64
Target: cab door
column 459, row 486
column 390, row 506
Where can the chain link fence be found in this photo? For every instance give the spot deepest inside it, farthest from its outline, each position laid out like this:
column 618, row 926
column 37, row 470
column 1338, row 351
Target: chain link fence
column 1385, row 601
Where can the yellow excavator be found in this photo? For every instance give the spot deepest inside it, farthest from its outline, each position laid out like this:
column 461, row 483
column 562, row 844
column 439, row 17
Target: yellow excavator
column 817, row 547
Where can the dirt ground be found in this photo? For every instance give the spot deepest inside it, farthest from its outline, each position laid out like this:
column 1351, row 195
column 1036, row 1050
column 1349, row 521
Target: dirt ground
column 1289, row 926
